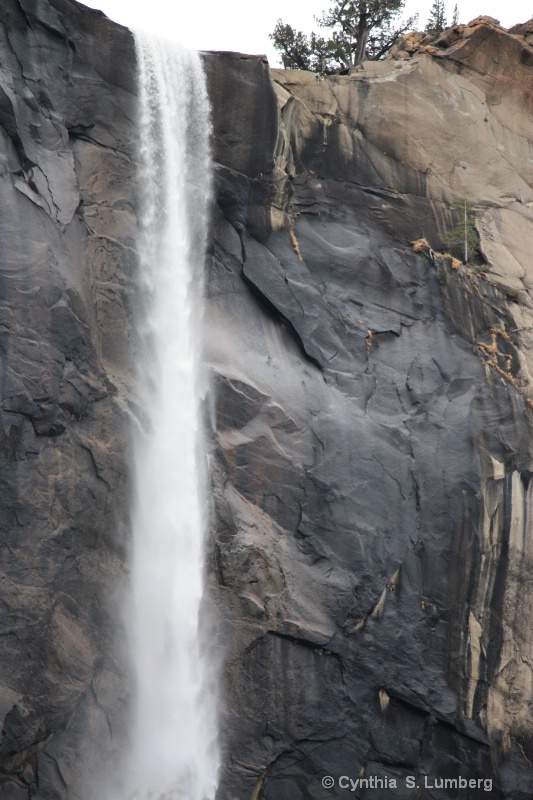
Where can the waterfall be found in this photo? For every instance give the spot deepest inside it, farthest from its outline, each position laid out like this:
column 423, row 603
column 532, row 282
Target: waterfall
column 172, row 749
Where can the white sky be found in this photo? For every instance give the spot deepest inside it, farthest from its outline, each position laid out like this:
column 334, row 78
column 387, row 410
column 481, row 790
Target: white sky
column 244, row 25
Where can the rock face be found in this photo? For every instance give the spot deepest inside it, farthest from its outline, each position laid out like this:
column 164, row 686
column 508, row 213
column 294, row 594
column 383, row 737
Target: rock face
column 373, row 450
column 67, row 235
column 371, row 461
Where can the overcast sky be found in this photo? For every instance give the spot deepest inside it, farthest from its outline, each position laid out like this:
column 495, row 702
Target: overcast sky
column 244, row 25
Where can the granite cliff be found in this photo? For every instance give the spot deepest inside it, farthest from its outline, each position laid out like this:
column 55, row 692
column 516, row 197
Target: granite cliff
column 371, row 444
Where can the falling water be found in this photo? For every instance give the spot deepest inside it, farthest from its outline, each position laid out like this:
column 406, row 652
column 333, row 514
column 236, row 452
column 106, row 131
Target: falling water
column 173, row 731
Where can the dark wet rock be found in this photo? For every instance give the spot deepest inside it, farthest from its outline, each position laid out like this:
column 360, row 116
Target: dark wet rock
column 65, row 277
column 405, row 450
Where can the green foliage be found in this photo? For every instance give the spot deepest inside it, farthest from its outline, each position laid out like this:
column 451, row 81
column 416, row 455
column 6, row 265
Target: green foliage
column 299, row 51
column 463, row 239
column 360, row 29
column 437, row 18
column 442, row 276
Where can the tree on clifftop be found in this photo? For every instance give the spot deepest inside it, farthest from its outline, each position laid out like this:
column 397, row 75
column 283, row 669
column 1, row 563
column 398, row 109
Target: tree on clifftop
column 360, row 29
column 437, row 21
column 437, row 17
column 299, row 51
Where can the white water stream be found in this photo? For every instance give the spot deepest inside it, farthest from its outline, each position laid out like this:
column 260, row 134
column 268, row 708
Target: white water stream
column 173, row 738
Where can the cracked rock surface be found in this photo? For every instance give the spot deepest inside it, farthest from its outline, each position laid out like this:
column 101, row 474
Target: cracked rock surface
column 67, row 227
column 373, row 527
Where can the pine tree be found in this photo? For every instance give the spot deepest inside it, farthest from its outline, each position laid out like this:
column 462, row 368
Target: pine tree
column 437, row 17
column 455, row 18
column 360, row 29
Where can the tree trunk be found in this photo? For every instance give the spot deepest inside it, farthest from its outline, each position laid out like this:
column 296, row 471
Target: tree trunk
column 363, row 29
